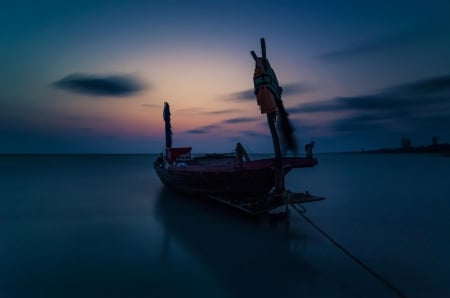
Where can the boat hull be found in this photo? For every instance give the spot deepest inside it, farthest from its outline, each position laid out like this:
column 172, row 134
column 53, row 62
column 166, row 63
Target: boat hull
column 248, row 179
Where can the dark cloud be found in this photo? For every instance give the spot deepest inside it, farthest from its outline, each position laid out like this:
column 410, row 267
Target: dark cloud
column 423, row 94
column 243, row 95
column 203, row 129
column 359, row 123
column 297, row 88
column 368, row 124
column 322, row 106
column 197, row 131
column 288, row 89
column 219, row 112
column 381, row 43
column 376, row 102
column 239, row 120
column 114, row 85
column 415, row 105
column 358, row 49
column 215, row 127
column 431, row 85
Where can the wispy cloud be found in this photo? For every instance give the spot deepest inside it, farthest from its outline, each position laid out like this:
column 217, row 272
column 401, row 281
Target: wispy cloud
column 360, row 123
column 220, row 112
column 113, row 85
column 381, row 43
column 297, row 88
column 239, row 120
column 215, row 127
column 288, row 89
column 416, row 105
column 197, row 131
column 427, row 93
column 203, row 129
column 151, row 105
column 430, row 85
column 243, row 95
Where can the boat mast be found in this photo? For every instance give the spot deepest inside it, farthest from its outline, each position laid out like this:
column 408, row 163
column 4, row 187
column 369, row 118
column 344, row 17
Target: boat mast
column 268, row 103
column 168, row 129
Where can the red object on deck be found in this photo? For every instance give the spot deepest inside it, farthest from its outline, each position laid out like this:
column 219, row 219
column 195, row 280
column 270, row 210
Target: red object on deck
column 174, row 153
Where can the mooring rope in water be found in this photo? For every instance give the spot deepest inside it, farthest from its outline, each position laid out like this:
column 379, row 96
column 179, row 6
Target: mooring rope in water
column 348, row 253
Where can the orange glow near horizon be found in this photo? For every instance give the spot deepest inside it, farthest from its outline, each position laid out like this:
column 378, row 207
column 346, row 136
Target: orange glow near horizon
column 198, row 83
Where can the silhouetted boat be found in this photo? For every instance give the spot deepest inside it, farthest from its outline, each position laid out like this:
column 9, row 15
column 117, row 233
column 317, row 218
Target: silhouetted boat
column 254, row 186
column 224, row 174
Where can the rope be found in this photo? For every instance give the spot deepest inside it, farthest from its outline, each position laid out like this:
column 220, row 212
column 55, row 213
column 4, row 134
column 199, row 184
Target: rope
column 378, row 276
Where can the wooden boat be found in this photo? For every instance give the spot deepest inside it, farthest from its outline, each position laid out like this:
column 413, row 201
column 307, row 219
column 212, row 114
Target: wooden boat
column 254, row 186
column 224, row 174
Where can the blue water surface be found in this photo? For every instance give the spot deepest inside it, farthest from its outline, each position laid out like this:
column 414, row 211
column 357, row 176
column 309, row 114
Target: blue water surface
column 104, row 226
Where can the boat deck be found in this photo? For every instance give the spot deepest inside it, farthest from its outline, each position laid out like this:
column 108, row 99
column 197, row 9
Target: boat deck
column 227, row 165
column 258, row 205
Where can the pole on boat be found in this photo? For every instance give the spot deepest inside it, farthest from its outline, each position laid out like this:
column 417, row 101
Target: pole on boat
column 267, row 100
column 168, row 129
column 279, row 175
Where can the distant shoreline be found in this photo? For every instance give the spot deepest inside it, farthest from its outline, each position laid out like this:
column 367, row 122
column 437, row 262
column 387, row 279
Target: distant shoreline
column 75, row 154
column 442, row 149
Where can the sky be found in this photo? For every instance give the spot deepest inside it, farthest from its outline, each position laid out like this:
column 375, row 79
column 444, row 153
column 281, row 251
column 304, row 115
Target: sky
column 93, row 76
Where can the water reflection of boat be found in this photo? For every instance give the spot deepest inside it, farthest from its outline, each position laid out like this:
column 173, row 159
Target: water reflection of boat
column 249, row 259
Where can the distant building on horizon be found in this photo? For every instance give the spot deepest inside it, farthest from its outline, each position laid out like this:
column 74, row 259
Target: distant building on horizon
column 434, row 141
column 406, row 143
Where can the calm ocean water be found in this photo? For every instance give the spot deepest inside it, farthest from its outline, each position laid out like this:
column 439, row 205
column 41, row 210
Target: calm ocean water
column 104, row 226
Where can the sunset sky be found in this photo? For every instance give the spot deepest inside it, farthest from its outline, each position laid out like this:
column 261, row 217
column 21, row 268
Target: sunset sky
column 92, row 76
